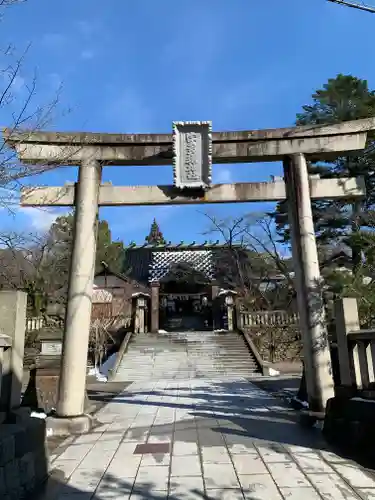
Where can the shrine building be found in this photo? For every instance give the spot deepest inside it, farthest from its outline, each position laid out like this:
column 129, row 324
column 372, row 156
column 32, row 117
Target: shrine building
column 184, row 280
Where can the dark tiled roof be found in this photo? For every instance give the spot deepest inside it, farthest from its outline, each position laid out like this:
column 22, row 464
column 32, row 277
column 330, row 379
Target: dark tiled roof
column 137, row 264
column 106, row 270
column 199, row 260
column 206, row 245
column 151, row 262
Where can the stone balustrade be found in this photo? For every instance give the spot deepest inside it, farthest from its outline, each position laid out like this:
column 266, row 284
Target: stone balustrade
column 356, row 348
column 250, row 319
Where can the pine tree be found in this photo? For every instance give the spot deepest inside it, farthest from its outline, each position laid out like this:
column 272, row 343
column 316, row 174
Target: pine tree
column 341, row 99
column 155, row 236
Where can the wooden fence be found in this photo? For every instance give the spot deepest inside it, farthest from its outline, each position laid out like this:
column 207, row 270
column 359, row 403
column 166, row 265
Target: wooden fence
column 248, row 319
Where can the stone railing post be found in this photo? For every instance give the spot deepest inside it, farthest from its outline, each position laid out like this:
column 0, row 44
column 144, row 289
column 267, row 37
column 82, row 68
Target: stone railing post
column 5, row 343
column 13, row 305
column 347, row 320
column 72, row 383
column 155, row 287
column 317, row 357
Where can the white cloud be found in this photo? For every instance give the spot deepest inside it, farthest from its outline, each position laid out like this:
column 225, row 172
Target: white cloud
column 87, row 54
column 40, row 218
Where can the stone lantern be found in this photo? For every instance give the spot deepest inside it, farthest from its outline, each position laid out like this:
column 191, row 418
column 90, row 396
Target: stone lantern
column 229, row 305
column 140, row 311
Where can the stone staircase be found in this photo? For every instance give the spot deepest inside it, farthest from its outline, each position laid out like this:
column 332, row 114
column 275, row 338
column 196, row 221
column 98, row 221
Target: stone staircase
column 187, row 355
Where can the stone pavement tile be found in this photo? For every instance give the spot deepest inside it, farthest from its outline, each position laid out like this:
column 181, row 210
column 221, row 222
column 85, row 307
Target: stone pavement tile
column 90, row 438
column 355, row 476
column 76, row 452
column 215, row 454
column 207, row 422
column 259, row 487
column 67, row 467
column 225, row 494
column 274, row 453
column 249, row 464
column 293, row 448
column 367, row 493
column 208, row 437
column 186, row 426
column 332, row 457
column 156, row 459
column 126, row 448
column 331, row 487
column 186, row 466
column 219, row 476
column 124, row 467
column 154, row 477
column 108, row 442
column 97, row 458
column 287, row 475
column 186, row 487
column 148, row 494
column 159, row 438
column 181, row 448
column 109, row 494
column 304, row 493
column 85, row 481
column 312, row 463
column 239, row 448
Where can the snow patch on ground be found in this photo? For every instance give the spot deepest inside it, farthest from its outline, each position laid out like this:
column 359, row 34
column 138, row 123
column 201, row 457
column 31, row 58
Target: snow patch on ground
column 101, row 372
column 273, row 373
column 36, row 414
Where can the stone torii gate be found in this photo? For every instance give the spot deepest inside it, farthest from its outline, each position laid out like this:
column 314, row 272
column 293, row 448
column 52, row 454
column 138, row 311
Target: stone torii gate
column 191, row 148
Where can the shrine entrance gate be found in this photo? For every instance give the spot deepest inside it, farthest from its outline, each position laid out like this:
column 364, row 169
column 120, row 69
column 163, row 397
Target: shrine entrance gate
column 192, row 148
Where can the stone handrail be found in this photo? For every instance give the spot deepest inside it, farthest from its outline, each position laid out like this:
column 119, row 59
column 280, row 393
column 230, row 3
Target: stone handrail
column 361, row 349
column 263, row 365
column 119, row 356
column 356, row 349
column 248, row 319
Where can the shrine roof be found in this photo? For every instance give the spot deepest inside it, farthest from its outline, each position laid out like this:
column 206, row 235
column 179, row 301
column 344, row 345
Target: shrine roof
column 182, row 246
column 200, row 261
column 145, row 263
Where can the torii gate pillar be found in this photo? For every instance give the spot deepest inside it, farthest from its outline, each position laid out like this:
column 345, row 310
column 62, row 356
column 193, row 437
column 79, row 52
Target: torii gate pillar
column 316, row 352
column 72, row 384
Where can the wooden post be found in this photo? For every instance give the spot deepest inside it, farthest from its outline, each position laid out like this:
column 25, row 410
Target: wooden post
column 155, row 287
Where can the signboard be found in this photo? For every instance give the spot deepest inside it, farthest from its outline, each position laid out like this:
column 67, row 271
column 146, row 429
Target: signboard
column 192, row 148
column 51, row 348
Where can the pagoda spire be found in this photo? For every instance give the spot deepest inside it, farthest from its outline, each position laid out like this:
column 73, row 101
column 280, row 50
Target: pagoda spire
column 155, row 236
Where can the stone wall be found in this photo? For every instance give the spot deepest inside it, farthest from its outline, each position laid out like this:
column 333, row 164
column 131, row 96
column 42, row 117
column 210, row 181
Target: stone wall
column 23, row 456
column 277, row 343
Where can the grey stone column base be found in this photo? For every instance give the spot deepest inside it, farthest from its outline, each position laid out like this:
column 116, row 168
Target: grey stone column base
column 65, row 426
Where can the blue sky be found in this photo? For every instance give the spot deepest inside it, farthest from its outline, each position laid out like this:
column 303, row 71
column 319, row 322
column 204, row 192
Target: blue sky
column 135, row 66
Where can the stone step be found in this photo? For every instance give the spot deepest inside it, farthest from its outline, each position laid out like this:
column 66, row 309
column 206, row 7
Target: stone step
column 187, row 355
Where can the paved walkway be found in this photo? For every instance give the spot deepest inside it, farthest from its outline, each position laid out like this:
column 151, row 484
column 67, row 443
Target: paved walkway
column 201, row 439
